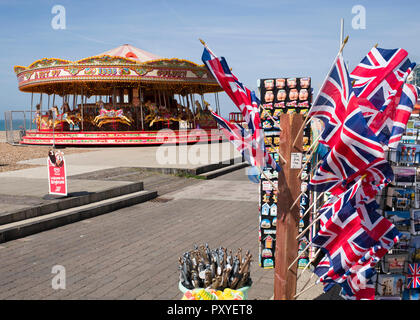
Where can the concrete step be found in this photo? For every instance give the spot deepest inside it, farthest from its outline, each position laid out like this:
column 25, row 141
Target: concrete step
column 23, row 228
column 218, row 172
column 73, row 200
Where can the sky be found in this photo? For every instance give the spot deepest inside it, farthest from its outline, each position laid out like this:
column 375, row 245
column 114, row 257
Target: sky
column 259, row 39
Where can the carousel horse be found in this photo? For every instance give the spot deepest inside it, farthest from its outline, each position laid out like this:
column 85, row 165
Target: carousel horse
column 111, row 116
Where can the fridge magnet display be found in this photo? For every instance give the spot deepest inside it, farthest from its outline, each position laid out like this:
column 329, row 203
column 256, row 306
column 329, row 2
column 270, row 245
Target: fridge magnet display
column 303, row 94
column 305, row 83
column 269, row 84
column 280, row 83
column 269, row 96
column 293, row 94
column 291, row 82
column 281, row 95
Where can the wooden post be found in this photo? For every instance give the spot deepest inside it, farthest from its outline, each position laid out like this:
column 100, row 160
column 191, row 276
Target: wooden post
column 289, row 185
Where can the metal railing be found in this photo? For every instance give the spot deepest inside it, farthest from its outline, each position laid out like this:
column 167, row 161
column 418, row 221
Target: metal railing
column 16, row 123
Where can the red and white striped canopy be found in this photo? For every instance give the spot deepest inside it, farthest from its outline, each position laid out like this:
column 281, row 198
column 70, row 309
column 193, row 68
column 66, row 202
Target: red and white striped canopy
column 128, row 51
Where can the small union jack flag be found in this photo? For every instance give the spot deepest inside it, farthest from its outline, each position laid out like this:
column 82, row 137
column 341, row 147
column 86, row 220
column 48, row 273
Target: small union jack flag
column 241, row 96
column 380, row 74
column 413, row 276
column 242, row 139
column 354, row 236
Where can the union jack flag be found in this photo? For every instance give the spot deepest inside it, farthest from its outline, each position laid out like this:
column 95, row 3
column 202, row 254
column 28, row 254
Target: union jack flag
column 334, row 101
column 388, row 125
column 354, row 237
column 403, row 111
column 413, row 276
column 242, row 139
column 357, row 286
column 380, row 74
column 354, row 147
column 244, row 99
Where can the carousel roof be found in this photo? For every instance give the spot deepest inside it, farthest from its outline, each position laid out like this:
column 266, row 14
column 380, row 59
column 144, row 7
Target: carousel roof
column 128, row 51
column 122, row 67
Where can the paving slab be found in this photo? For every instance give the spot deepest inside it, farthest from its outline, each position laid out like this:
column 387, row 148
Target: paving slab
column 132, row 253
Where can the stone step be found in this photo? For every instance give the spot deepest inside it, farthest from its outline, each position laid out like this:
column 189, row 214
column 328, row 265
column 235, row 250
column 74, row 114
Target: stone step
column 71, row 201
column 218, row 172
column 23, row 228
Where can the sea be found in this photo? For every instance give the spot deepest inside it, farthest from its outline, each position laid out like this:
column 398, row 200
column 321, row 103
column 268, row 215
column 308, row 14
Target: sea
column 16, row 124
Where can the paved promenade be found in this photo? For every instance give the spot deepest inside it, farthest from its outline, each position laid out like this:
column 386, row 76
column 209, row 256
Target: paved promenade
column 132, row 253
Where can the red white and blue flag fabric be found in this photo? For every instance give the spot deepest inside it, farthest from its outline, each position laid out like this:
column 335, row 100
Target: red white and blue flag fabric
column 241, row 96
column 242, row 139
column 378, row 83
column 380, row 74
column 407, row 101
column 334, row 101
column 354, row 147
column 354, row 237
column 413, row 276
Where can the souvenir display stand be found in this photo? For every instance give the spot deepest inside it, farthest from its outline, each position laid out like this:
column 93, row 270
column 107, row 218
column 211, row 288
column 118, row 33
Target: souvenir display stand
column 279, row 96
column 398, row 274
column 122, row 96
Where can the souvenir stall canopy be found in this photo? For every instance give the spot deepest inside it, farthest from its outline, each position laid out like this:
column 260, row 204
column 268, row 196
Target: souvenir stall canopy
column 125, row 90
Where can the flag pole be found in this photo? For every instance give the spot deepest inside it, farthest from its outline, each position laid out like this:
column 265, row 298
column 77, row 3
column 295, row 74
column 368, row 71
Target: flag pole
column 323, row 84
column 316, row 142
column 303, row 291
column 312, row 260
column 205, row 45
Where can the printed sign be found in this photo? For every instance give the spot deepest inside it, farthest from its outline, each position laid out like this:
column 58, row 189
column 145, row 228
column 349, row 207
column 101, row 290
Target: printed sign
column 57, row 182
column 295, row 160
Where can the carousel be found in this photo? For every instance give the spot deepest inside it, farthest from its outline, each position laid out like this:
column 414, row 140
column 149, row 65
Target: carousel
column 122, row 96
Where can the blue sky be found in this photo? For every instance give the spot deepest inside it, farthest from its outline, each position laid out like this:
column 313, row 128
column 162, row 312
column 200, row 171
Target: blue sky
column 259, row 39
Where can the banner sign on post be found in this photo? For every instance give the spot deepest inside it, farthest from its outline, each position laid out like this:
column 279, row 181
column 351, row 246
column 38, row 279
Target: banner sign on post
column 57, row 181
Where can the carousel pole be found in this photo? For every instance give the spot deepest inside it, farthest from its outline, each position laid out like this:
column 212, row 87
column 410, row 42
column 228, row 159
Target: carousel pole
column 40, row 103
column 193, row 109
column 160, row 102
column 141, row 109
column 113, row 98
column 82, row 106
column 32, row 103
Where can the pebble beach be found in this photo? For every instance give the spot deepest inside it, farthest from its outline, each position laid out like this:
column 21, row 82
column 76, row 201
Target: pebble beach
column 11, row 155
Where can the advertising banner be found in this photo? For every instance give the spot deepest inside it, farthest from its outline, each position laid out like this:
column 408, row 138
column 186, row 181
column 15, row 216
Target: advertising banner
column 57, row 180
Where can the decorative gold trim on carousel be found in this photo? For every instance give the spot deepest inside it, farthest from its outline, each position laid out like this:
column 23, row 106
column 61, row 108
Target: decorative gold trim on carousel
column 105, row 59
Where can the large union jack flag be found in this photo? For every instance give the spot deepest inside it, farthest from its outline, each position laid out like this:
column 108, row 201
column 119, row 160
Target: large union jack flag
column 354, row 147
column 380, row 74
column 243, row 141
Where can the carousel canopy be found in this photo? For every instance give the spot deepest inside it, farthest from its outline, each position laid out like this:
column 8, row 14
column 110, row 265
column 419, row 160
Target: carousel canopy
column 128, row 51
column 122, row 67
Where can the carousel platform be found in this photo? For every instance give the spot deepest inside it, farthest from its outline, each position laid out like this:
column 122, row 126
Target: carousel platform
column 104, row 138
